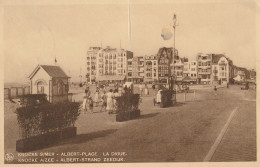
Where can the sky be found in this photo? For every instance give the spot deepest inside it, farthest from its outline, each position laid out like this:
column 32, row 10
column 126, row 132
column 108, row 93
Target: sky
column 36, row 34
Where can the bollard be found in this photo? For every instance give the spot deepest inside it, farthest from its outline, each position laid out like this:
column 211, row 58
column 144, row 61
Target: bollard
column 194, row 95
column 184, row 96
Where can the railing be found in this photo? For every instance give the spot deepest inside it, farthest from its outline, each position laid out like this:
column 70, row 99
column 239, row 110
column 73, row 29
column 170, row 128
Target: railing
column 14, row 92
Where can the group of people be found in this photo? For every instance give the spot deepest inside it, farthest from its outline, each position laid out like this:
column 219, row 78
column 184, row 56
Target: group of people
column 143, row 89
column 103, row 98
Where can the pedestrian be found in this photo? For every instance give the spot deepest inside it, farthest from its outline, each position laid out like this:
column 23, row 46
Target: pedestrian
column 103, row 101
column 146, row 91
column 116, row 94
column 215, row 88
column 125, row 89
column 96, row 97
column 159, row 96
column 90, row 102
column 120, row 91
column 141, row 89
column 110, row 105
column 85, row 99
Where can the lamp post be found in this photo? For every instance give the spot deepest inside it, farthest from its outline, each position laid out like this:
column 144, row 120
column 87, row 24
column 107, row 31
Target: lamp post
column 173, row 77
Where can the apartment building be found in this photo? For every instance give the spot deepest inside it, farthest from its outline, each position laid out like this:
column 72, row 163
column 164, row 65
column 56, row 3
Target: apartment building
column 165, row 64
column 204, row 68
column 105, row 64
column 220, row 69
column 135, row 69
column 91, row 62
column 150, row 68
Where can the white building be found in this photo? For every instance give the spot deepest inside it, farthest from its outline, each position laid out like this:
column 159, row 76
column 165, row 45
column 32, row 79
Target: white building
column 111, row 62
column 91, row 62
column 220, row 69
column 150, row 68
column 135, row 69
column 52, row 81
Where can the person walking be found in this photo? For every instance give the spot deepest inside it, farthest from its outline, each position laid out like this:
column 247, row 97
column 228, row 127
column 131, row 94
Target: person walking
column 116, row 94
column 159, row 96
column 96, row 97
column 90, row 104
column 103, row 101
column 120, row 91
column 141, row 89
column 146, row 91
column 85, row 99
column 110, row 104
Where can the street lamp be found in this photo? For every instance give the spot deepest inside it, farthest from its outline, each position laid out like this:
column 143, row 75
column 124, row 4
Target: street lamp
column 174, row 19
column 173, row 77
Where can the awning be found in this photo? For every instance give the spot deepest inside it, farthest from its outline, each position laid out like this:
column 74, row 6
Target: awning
column 188, row 79
column 110, row 78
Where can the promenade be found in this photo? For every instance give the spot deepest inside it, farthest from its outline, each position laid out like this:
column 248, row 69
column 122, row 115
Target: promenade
column 185, row 132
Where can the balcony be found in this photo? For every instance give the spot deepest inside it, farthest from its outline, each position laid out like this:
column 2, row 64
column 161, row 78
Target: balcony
column 207, row 72
column 204, row 67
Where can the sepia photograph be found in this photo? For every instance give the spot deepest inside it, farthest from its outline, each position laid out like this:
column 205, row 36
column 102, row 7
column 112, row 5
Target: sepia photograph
column 129, row 81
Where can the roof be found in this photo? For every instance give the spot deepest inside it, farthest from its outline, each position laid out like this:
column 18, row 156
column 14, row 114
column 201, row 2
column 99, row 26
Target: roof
column 52, row 71
column 110, row 77
column 216, row 57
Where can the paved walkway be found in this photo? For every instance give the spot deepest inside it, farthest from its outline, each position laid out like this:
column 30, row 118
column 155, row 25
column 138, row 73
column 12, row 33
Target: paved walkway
column 183, row 133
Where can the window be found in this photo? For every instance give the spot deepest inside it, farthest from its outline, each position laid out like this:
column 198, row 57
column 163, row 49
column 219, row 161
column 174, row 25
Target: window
column 60, row 86
column 40, row 87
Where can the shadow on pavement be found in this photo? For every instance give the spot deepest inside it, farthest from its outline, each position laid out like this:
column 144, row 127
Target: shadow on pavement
column 82, row 138
column 148, row 115
column 178, row 104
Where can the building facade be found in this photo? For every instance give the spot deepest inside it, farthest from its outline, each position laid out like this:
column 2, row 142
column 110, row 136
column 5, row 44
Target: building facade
column 213, row 69
column 220, row 69
column 52, row 81
column 165, row 64
column 107, row 62
column 150, row 68
column 135, row 69
column 204, row 68
column 91, row 63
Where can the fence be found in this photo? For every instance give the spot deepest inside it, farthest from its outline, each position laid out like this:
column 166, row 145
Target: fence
column 14, row 92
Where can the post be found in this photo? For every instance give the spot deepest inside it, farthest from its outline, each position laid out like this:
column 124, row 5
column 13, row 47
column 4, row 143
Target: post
column 184, row 96
column 194, row 95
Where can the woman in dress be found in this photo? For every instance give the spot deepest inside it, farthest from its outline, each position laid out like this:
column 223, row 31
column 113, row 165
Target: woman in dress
column 146, row 91
column 116, row 94
column 96, row 97
column 103, row 101
column 159, row 96
column 110, row 104
column 85, row 99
